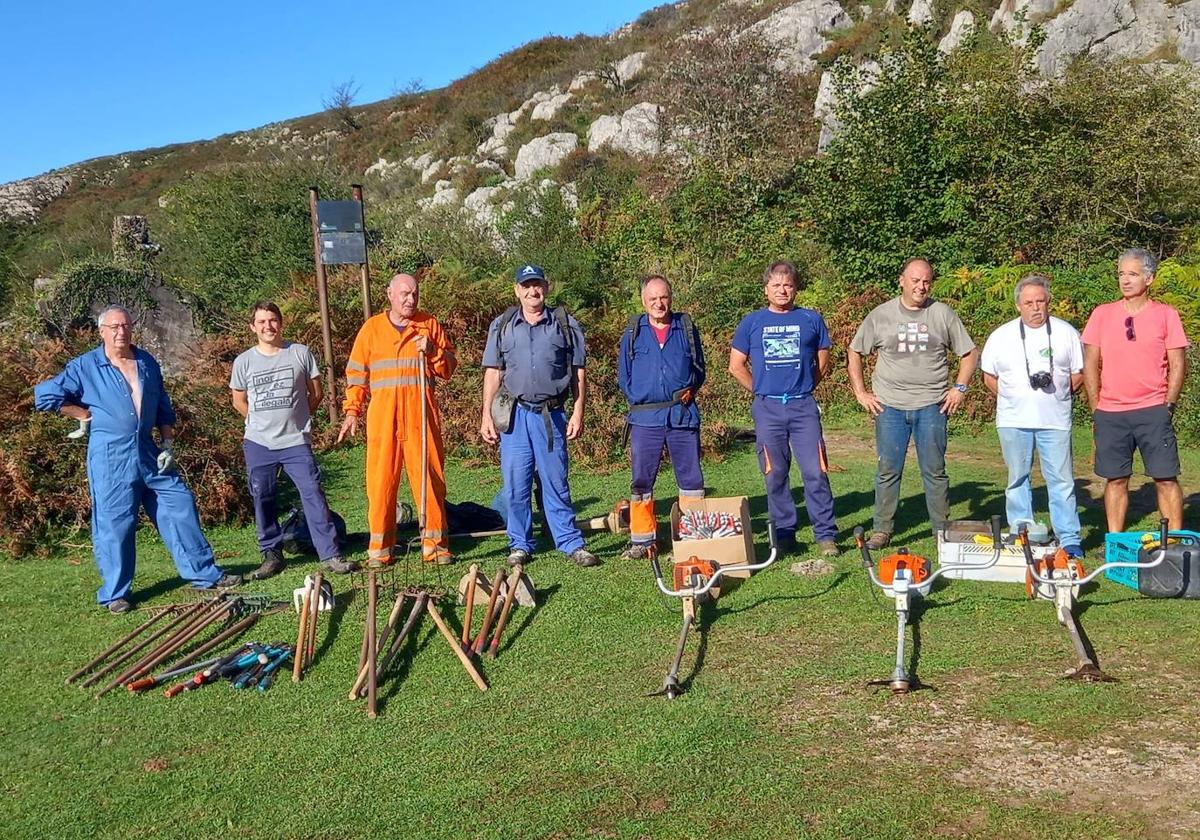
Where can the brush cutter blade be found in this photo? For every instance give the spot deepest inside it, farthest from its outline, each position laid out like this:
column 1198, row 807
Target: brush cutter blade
column 1090, row 673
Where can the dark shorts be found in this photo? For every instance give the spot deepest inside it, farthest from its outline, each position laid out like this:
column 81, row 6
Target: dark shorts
column 1149, row 430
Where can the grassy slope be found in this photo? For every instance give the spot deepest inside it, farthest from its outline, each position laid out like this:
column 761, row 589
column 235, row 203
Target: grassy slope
column 776, row 735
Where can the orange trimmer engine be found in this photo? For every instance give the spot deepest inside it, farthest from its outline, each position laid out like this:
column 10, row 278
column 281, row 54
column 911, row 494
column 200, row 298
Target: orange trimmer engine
column 693, row 572
column 1059, row 565
column 918, row 567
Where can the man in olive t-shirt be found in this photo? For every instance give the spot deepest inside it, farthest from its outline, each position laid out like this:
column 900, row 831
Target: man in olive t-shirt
column 910, row 397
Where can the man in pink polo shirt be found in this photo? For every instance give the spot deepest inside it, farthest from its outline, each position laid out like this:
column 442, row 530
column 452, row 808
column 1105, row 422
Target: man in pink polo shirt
column 1133, row 370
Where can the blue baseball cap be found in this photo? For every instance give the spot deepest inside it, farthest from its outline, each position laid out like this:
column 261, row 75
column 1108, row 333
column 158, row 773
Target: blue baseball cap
column 530, row 272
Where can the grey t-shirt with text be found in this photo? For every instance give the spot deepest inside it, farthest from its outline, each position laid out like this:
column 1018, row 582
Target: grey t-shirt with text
column 913, row 367
column 277, row 390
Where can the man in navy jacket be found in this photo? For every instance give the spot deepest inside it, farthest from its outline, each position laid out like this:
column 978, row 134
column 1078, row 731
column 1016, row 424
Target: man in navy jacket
column 660, row 370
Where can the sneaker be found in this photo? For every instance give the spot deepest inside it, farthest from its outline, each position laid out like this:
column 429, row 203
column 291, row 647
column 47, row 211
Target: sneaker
column 828, row 548
column 585, row 558
column 1074, row 551
column 519, row 557
column 118, row 605
column 272, row 565
column 338, row 565
column 640, row 551
column 878, row 540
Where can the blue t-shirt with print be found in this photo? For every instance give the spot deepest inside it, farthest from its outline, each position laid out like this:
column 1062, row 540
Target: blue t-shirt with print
column 782, row 347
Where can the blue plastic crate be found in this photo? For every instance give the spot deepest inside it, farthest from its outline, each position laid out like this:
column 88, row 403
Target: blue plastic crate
column 1124, row 548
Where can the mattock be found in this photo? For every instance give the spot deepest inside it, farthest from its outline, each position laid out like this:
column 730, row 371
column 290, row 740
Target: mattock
column 498, row 596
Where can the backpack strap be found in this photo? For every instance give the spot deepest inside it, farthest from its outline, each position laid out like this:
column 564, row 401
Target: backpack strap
column 505, row 321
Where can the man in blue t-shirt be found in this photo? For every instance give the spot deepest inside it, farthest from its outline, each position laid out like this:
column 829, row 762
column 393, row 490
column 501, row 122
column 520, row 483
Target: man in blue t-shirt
column 780, row 354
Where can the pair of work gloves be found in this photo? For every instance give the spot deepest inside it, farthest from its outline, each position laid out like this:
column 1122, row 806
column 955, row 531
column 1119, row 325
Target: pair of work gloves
column 166, row 460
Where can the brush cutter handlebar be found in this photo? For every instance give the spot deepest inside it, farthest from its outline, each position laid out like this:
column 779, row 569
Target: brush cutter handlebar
column 942, row 569
column 697, row 591
column 1036, row 574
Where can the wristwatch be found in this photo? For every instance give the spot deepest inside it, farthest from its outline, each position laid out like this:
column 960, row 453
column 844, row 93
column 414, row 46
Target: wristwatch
column 961, row 388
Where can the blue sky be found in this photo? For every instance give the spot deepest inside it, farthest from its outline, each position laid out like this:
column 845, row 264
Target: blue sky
column 87, row 78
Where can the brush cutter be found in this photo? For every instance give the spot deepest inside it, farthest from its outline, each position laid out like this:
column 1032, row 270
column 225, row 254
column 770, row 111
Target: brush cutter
column 904, row 577
column 698, row 581
column 1059, row 579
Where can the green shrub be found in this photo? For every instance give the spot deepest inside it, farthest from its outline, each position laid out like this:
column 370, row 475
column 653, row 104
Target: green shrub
column 235, row 235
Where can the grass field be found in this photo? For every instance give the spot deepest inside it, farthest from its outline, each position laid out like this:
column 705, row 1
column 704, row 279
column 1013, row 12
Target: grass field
column 777, row 735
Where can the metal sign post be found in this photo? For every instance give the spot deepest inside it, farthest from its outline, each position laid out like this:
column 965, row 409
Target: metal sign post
column 363, row 272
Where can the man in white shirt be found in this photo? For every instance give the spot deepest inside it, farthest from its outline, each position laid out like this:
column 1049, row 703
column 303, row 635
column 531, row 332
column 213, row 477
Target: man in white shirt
column 1033, row 364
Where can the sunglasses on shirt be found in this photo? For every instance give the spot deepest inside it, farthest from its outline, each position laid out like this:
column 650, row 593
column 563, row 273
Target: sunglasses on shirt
column 1130, row 335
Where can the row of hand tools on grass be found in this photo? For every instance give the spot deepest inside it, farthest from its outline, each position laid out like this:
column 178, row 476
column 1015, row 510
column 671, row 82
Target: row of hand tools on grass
column 379, row 649
column 174, row 637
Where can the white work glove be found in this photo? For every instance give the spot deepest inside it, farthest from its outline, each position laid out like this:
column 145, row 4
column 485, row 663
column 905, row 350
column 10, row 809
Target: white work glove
column 166, row 461
column 82, row 431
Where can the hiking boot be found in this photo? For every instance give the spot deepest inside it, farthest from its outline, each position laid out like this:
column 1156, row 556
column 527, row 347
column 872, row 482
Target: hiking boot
column 785, row 543
column 118, row 605
column 640, row 551
column 338, row 565
column 878, row 540
column 272, row 565
column 828, row 548
column 227, row 581
column 519, row 557
column 584, row 558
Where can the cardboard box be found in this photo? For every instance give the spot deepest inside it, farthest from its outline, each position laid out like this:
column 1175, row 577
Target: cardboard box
column 956, row 544
column 726, row 551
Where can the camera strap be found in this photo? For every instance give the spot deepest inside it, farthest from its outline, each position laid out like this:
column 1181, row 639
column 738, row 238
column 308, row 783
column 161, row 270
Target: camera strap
column 1049, row 348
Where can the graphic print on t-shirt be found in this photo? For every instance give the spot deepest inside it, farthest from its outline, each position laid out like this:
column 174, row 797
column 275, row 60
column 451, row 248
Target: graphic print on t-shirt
column 912, row 337
column 272, row 389
column 781, row 345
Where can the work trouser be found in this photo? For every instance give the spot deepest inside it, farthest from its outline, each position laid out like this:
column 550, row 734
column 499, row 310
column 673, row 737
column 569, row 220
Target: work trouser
column 646, row 450
column 783, row 428
column 390, row 451
column 262, row 469
column 120, row 481
column 527, row 447
column 927, row 429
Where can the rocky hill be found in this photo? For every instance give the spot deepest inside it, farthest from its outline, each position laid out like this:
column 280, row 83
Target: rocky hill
column 517, row 120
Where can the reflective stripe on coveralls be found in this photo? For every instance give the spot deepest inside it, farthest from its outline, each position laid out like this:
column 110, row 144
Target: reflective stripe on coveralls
column 646, row 448
column 383, row 367
column 123, row 472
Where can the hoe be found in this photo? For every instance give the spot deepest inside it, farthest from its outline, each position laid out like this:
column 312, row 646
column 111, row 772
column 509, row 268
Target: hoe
column 1059, row 579
column 697, row 581
column 903, row 577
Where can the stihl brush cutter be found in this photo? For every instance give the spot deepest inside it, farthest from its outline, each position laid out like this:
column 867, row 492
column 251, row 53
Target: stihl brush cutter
column 904, row 577
column 1059, row 579
column 698, row 581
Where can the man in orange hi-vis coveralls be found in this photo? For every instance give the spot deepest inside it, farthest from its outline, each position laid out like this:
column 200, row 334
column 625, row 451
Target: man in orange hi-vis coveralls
column 383, row 367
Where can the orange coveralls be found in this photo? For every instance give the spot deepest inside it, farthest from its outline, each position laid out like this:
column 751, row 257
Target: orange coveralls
column 383, row 367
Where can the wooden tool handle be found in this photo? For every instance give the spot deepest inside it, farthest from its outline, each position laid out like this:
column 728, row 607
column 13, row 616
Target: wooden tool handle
column 513, row 581
column 472, row 581
column 458, row 651
column 490, row 615
column 301, row 638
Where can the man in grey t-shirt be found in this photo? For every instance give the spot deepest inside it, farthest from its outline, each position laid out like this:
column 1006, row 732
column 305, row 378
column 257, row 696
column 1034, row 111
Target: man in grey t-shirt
column 910, row 396
column 276, row 385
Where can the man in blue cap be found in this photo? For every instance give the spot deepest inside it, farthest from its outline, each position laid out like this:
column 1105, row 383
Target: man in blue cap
column 116, row 393
column 534, row 360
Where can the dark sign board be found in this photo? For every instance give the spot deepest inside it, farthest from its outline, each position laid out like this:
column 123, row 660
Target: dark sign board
column 339, row 216
column 343, row 248
column 341, row 230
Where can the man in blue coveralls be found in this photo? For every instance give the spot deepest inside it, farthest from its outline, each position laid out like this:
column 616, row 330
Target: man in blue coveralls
column 780, row 354
column 660, row 370
column 116, row 392
column 534, row 360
